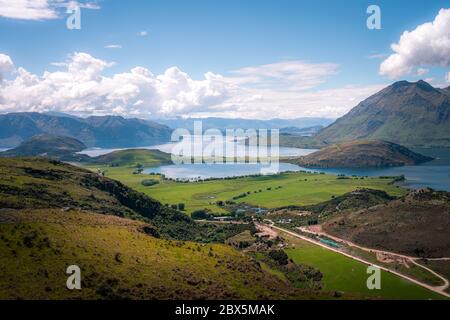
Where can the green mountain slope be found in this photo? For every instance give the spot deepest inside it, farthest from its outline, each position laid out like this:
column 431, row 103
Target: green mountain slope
column 118, row 260
column 411, row 114
column 127, row 245
column 40, row 184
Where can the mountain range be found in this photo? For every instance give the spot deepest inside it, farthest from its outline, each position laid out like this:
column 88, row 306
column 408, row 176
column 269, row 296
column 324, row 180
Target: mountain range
column 95, row 131
column 225, row 123
column 407, row 113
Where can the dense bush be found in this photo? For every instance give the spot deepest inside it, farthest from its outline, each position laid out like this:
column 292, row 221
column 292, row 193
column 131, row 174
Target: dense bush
column 200, row 215
column 149, row 182
column 279, row 256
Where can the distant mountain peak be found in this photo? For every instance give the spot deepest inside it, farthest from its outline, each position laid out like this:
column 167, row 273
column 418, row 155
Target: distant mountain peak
column 408, row 113
column 406, row 84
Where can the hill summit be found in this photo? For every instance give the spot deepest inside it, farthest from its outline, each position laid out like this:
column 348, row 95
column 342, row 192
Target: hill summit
column 361, row 154
column 55, row 147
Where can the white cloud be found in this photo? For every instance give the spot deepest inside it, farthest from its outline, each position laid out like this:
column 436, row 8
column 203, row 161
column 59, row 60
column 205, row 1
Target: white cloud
column 296, row 75
column 422, row 71
column 427, row 45
column 377, row 56
column 6, row 65
column 39, row 9
column 113, row 46
column 81, row 88
column 143, row 33
column 285, row 89
column 27, row 9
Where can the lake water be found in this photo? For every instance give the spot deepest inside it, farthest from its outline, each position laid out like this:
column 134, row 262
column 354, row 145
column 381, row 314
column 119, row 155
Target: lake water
column 223, row 170
column 434, row 174
column 229, row 148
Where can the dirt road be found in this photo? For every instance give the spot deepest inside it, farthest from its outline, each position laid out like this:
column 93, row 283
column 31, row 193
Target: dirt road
column 439, row 289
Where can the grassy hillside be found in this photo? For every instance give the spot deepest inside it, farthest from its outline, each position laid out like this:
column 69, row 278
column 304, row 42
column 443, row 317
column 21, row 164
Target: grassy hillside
column 296, row 189
column 415, row 225
column 132, row 157
column 361, row 154
column 118, row 260
column 40, row 183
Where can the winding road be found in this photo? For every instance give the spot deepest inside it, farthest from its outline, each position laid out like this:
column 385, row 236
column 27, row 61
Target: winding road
column 439, row 289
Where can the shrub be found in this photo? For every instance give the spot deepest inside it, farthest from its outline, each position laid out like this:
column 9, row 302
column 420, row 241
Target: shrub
column 149, row 182
column 279, row 256
column 200, row 215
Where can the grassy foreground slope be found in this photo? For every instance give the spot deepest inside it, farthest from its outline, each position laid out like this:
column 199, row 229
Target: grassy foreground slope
column 296, row 189
column 54, row 215
column 120, row 261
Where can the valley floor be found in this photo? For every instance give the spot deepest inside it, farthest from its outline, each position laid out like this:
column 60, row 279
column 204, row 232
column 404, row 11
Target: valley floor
column 285, row 189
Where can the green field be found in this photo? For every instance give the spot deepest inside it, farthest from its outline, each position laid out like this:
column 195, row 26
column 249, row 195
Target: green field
column 296, row 189
column 349, row 276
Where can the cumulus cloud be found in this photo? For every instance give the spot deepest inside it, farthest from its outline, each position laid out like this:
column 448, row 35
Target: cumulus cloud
column 6, row 65
column 79, row 86
column 427, row 45
column 39, row 9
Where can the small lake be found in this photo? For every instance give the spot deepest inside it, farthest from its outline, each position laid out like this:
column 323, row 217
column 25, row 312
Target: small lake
column 229, row 148
column 434, row 174
column 223, row 170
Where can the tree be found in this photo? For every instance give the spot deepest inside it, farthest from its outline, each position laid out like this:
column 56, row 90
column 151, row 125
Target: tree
column 181, row 206
column 279, row 256
column 200, row 215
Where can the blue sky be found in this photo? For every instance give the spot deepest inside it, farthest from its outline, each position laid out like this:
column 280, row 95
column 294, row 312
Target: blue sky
column 221, row 37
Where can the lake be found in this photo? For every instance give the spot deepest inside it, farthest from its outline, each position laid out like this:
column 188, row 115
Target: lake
column 434, row 174
column 229, row 148
column 205, row 171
